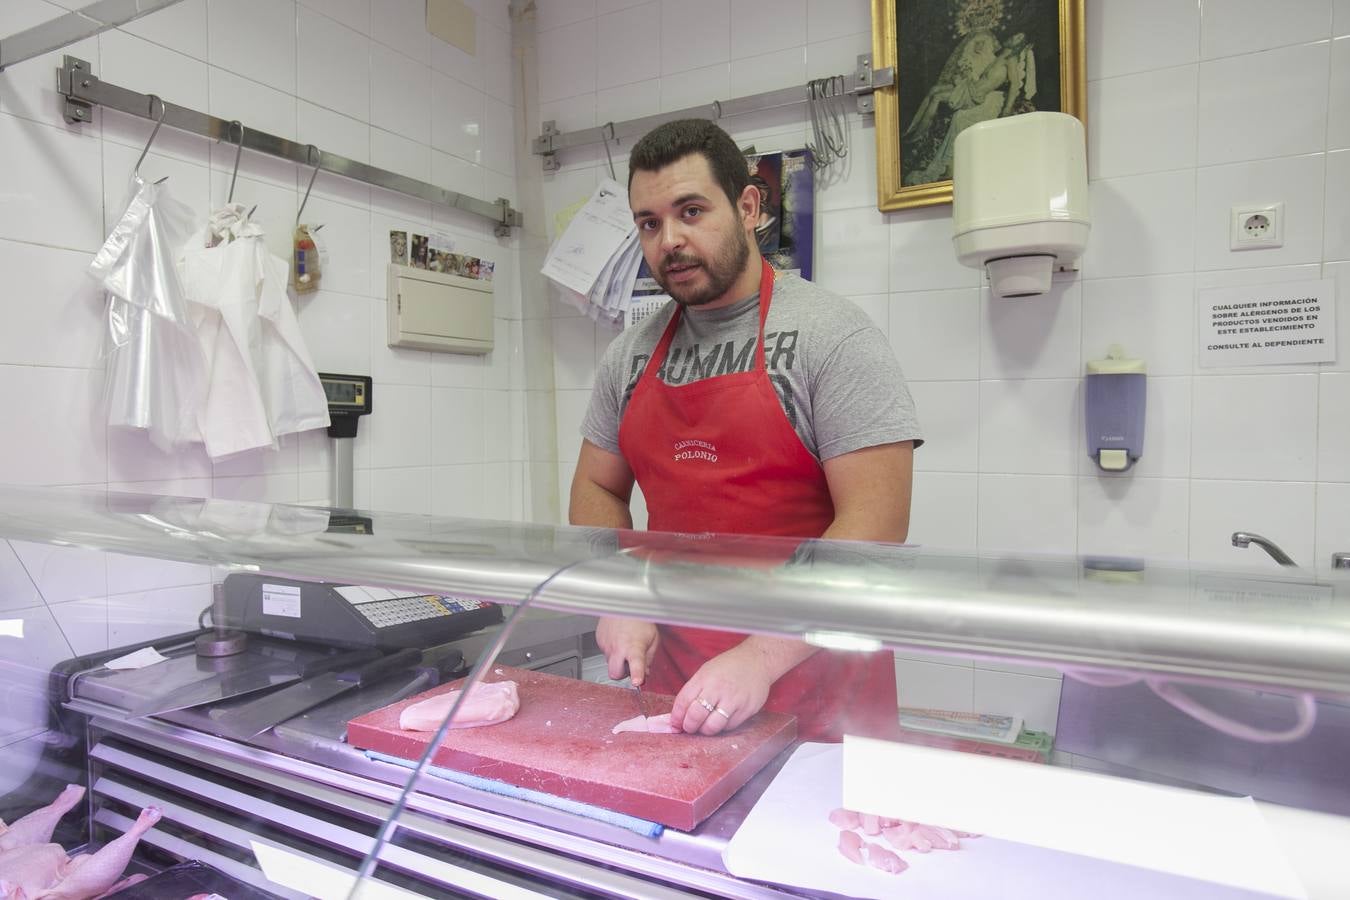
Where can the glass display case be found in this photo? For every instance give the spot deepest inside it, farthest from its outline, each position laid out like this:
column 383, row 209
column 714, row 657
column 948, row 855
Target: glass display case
column 304, row 701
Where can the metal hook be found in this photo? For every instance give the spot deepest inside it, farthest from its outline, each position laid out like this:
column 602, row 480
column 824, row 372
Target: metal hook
column 239, row 151
column 154, row 131
column 717, row 110
column 608, row 158
column 310, row 150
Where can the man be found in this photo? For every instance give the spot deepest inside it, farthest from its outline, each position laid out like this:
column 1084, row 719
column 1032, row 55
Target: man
column 753, row 405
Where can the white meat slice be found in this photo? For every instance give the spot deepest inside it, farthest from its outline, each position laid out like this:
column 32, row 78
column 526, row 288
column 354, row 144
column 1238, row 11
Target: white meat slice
column 487, row 704
column 647, row 724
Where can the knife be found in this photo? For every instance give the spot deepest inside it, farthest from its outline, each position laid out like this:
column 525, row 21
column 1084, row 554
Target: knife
column 265, row 675
column 257, row 716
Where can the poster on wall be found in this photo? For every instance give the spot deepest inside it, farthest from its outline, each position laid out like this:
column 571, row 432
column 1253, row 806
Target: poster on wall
column 1268, row 324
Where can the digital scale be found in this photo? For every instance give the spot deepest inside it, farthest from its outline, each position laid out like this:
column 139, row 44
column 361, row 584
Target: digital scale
column 349, row 398
column 348, row 615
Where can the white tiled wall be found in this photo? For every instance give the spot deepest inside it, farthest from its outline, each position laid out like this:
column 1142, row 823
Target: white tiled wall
column 361, row 78
column 1192, row 108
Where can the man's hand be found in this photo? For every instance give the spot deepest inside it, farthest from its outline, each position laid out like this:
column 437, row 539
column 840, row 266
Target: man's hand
column 628, row 646
column 725, row 691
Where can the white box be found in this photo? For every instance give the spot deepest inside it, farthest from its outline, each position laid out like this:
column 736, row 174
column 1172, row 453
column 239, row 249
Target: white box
column 434, row 311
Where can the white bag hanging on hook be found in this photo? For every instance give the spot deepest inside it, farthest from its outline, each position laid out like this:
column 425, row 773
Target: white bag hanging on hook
column 156, row 373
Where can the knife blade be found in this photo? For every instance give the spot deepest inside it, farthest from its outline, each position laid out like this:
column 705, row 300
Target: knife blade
column 257, row 716
column 641, row 700
column 261, row 677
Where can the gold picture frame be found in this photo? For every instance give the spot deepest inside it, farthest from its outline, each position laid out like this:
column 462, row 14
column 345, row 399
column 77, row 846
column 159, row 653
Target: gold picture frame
column 958, row 64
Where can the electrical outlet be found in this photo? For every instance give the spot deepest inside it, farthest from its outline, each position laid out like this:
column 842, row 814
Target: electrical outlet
column 1257, row 227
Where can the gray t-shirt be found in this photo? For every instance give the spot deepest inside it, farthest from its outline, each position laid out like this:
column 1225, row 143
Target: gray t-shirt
column 835, row 374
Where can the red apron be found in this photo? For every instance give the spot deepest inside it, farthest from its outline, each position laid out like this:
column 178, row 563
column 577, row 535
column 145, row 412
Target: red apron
column 719, row 455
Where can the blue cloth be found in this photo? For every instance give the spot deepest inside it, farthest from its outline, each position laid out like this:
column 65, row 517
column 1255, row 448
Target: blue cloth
column 630, row 823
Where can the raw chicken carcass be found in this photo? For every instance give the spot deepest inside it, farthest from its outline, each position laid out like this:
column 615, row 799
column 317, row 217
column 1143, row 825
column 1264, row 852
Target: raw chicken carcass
column 44, row 872
column 647, row 725
column 38, row 825
column 487, row 703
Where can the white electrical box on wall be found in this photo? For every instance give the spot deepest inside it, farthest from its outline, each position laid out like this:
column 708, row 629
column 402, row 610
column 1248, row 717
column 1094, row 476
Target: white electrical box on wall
column 435, row 311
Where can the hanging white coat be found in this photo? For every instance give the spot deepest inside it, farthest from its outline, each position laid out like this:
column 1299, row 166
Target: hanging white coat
column 262, row 384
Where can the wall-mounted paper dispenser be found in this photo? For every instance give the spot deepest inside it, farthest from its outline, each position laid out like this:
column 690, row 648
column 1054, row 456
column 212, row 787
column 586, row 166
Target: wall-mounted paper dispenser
column 1114, row 410
column 434, row 311
column 1019, row 199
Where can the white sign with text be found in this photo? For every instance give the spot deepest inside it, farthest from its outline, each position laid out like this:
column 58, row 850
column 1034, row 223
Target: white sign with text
column 1268, row 324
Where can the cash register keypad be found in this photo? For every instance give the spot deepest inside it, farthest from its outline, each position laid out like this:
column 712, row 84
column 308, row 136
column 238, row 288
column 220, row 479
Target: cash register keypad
column 403, row 610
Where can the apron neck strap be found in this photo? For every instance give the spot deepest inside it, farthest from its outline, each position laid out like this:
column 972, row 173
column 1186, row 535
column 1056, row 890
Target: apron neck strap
column 766, row 275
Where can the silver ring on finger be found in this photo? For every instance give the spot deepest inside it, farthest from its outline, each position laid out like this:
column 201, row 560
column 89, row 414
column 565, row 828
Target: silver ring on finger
column 706, row 705
column 722, row 712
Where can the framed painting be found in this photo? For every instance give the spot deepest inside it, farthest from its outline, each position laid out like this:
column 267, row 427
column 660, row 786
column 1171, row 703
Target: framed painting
column 958, row 62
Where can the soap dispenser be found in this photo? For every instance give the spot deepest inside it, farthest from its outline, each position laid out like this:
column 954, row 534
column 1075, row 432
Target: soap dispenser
column 1114, row 401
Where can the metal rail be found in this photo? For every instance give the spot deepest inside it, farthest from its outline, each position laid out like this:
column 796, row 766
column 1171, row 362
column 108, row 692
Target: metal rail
column 83, row 90
column 862, row 82
column 74, row 26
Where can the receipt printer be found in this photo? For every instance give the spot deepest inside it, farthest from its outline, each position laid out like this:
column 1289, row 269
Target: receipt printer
column 1114, row 399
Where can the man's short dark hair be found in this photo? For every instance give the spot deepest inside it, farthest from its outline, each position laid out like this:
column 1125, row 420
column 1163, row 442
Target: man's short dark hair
column 667, row 143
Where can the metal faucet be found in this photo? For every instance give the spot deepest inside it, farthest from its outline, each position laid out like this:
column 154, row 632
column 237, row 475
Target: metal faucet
column 1243, row 538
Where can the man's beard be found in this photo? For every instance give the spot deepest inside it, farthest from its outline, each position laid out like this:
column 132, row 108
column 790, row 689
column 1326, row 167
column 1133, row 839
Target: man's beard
column 722, row 271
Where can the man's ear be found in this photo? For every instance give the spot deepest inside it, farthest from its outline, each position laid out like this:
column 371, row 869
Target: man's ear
column 748, row 207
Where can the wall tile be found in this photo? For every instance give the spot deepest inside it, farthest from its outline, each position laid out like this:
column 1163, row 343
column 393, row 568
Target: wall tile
column 181, row 27
column 936, row 334
column 333, row 133
column 499, row 410
column 62, row 574
column 1340, row 17
column 571, row 410
column 949, row 412
column 333, row 67
column 631, row 101
column 695, row 87
column 131, row 457
column 694, row 34
column 567, row 61
column 877, row 308
column 852, row 181
column 763, row 26
column 1274, row 438
column 574, row 357
column 1140, row 36
column 452, row 61
column 1340, row 274
column 849, row 245
column 836, row 56
column 1297, row 181
column 389, row 151
column 74, row 447
column 354, row 14
column 1337, row 232
column 400, row 94
column 1281, row 511
column 1333, row 525
column 1034, row 514
column 50, row 293
column 255, row 39
column 944, row 511
column 130, row 574
column 457, row 118
column 1030, row 426
column 1033, row 337
column 457, row 426
column 1142, row 225
column 17, row 589
column 257, row 106
column 1135, row 516
column 498, row 59
column 281, row 487
column 28, row 666
column 402, row 490
column 626, row 57
column 29, row 90
column 401, row 434
column 769, row 72
column 1142, row 123
column 551, row 14
column 1153, row 319
column 827, row 19
column 58, row 203
column 499, row 137
column 1263, row 104
column 1338, row 109
column 337, row 331
column 402, row 25
column 1333, row 432
column 1228, row 27
column 84, row 623
column 921, row 252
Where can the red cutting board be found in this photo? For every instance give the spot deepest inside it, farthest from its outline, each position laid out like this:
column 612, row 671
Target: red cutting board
column 560, row 743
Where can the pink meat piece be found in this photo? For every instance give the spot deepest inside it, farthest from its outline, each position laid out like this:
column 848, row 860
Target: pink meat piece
column 870, row 824
column 38, row 825
column 878, row 857
column 87, row 876
column 922, row 838
column 647, row 725
column 846, row 819
column 487, row 703
column 851, row 845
